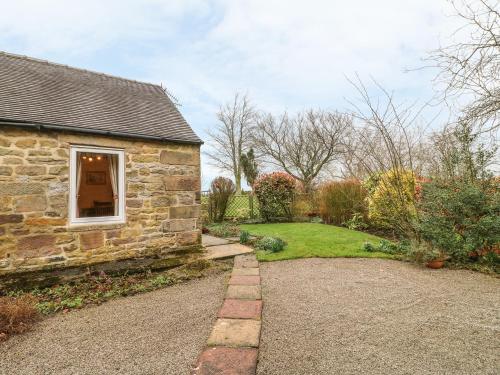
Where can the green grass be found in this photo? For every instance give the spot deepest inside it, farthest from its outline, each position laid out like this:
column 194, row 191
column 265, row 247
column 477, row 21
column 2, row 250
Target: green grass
column 307, row 240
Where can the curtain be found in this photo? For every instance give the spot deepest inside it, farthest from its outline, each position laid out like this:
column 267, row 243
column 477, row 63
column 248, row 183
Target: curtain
column 78, row 182
column 113, row 176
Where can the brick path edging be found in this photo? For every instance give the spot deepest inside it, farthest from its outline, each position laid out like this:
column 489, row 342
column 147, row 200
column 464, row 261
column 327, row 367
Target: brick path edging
column 232, row 347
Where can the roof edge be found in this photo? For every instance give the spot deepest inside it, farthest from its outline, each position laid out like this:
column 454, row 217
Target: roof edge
column 39, row 126
column 48, row 62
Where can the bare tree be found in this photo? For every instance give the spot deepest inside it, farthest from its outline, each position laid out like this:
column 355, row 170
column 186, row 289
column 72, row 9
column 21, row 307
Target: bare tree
column 471, row 68
column 385, row 135
column 230, row 137
column 385, row 139
column 302, row 145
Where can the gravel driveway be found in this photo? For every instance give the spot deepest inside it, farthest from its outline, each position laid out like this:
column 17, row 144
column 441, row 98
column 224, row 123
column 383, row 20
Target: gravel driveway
column 161, row 332
column 370, row 316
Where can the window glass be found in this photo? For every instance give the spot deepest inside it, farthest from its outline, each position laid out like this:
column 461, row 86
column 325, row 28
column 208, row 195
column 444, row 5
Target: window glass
column 97, row 181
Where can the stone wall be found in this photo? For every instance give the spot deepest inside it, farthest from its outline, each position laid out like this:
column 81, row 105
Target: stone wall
column 162, row 205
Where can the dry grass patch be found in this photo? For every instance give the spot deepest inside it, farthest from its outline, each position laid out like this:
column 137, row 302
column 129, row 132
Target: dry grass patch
column 17, row 315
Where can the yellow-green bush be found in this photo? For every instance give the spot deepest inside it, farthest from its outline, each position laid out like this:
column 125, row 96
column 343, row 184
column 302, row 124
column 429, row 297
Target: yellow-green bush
column 391, row 199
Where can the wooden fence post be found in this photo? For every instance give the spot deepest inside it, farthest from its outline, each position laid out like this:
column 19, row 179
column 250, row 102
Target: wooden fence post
column 250, row 204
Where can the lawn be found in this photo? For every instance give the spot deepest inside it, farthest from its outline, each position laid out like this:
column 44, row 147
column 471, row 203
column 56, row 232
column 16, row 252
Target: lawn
column 307, row 240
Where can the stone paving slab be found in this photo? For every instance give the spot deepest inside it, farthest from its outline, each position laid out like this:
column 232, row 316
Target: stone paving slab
column 244, row 292
column 235, row 333
column 227, row 361
column 226, row 251
column 244, row 258
column 207, row 240
column 247, row 264
column 241, row 309
column 245, row 272
column 244, row 280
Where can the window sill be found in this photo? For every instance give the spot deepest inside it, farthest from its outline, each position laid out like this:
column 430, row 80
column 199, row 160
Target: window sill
column 78, row 227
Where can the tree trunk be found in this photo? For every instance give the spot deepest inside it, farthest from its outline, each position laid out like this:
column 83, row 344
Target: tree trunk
column 237, row 182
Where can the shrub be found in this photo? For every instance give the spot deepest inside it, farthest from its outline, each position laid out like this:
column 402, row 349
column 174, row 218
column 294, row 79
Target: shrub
column 340, row 201
column 388, row 247
column 221, row 190
column 368, row 246
column 275, row 192
column 17, row 315
column 305, row 205
column 460, row 219
column 244, row 236
column 224, row 230
column 355, row 222
column 272, row 244
column 391, row 200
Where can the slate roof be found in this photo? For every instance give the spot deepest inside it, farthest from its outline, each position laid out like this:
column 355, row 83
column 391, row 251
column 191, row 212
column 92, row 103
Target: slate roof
column 42, row 93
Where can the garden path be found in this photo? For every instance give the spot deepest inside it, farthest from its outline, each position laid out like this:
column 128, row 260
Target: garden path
column 220, row 248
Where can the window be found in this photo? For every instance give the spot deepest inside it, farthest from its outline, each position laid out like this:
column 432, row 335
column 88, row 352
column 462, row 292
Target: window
column 97, row 185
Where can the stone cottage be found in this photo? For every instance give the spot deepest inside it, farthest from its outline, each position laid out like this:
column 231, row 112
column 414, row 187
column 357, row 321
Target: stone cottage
column 95, row 171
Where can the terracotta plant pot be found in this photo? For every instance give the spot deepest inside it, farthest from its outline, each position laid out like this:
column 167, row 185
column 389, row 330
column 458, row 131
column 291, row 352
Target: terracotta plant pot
column 435, row 264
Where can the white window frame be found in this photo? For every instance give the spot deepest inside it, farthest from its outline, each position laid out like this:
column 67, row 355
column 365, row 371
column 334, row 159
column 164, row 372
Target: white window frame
column 73, row 201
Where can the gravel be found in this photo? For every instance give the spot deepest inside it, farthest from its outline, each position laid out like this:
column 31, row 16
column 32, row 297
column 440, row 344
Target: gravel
column 161, row 332
column 372, row 316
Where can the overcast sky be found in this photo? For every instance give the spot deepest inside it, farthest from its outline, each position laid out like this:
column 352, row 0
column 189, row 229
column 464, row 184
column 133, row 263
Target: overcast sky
column 287, row 55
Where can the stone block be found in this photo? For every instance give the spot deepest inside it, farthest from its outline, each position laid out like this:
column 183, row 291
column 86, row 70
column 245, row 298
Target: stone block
column 163, row 201
column 135, row 188
column 227, row 361
column 62, row 153
column 26, row 143
column 31, row 170
column 36, row 246
column 46, row 160
column 187, row 198
column 188, row 238
column 181, row 183
column 21, row 189
column 113, row 234
column 45, row 221
column 134, row 203
column 4, row 142
column 58, row 170
column 241, row 309
column 48, row 143
column 184, row 212
column 39, row 153
column 179, row 157
column 145, row 158
column 235, row 333
column 244, row 280
column 244, row 292
column 10, row 152
column 91, row 240
column 5, row 171
column 30, row 203
column 12, row 161
column 11, row 218
column 179, row 225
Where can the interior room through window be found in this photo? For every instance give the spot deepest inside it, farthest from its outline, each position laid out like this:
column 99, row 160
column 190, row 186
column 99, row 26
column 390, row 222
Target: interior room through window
column 96, row 184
